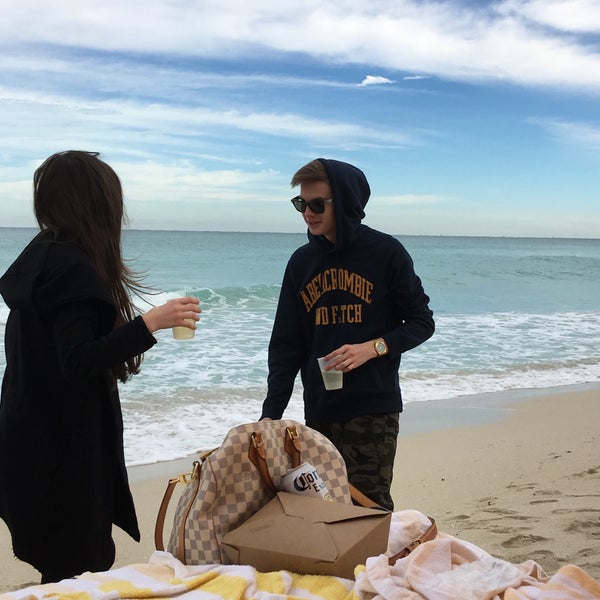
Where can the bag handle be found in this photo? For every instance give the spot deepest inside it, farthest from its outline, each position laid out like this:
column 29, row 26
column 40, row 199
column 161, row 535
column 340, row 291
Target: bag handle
column 429, row 535
column 292, row 445
column 258, row 457
column 258, row 454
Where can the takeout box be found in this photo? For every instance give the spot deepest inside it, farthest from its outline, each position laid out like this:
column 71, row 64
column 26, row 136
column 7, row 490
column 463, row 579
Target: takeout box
column 309, row 535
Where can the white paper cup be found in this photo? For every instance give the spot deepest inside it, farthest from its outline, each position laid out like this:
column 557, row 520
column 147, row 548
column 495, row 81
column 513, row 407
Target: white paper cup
column 184, row 333
column 333, row 380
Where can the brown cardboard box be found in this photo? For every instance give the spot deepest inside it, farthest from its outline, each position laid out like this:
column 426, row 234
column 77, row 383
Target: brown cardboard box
column 309, row 535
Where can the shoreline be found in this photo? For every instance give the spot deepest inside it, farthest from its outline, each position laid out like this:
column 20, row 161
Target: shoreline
column 515, row 472
column 418, row 417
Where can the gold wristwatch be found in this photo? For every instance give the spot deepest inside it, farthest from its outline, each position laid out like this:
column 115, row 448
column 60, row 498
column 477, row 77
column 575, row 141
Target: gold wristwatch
column 380, row 347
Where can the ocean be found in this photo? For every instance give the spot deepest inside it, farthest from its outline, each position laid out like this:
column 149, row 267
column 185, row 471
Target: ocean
column 511, row 313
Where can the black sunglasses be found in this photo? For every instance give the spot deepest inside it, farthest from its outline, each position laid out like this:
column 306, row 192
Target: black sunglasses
column 317, row 205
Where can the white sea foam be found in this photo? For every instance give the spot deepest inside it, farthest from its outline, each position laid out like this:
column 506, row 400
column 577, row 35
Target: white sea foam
column 188, row 421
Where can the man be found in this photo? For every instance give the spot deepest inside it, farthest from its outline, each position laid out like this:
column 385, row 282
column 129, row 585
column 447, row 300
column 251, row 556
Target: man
column 350, row 294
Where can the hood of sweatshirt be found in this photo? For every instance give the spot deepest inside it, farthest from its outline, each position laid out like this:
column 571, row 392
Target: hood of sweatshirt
column 350, row 192
column 49, row 273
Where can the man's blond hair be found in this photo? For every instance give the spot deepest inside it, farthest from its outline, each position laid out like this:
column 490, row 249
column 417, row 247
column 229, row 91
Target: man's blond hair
column 310, row 172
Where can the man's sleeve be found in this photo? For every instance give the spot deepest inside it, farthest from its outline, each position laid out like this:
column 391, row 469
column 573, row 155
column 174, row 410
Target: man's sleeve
column 415, row 318
column 287, row 350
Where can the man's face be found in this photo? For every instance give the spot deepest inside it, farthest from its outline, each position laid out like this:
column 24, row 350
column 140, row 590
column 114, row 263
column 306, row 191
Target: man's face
column 319, row 223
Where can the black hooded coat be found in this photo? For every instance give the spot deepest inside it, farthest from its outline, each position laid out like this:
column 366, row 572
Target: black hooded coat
column 361, row 288
column 63, row 481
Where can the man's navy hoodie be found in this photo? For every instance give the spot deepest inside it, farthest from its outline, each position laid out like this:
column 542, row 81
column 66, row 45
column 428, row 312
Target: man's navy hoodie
column 361, row 288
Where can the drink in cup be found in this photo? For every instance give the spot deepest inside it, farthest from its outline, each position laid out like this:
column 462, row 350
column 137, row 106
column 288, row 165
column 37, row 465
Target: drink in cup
column 183, row 333
column 333, row 380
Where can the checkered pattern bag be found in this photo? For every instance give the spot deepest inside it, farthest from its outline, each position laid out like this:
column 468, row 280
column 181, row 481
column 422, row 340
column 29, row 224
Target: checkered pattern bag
column 225, row 487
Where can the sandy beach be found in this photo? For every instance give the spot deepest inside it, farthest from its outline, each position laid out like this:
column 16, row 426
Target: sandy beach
column 516, row 473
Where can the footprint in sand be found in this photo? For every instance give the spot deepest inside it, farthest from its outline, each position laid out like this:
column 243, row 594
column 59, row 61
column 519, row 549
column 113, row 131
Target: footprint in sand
column 488, row 500
column 547, row 559
column 522, row 540
column 588, row 559
column 587, row 553
column 501, row 530
column 521, row 486
column 564, row 511
column 501, row 513
column 498, row 511
column 589, row 527
column 547, row 493
column 554, row 493
column 591, row 471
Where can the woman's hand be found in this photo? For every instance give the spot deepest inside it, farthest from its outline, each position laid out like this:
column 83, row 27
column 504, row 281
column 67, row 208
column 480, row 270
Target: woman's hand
column 179, row 312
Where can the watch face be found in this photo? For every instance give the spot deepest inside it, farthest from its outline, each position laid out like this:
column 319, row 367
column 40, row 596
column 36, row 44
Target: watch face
column 380, row 347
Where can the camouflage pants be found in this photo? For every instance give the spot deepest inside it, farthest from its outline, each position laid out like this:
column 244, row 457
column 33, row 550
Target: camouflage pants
column 368, row 445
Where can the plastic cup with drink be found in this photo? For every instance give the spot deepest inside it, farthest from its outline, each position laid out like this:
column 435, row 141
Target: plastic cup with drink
column 333, row 379
column 184, row 333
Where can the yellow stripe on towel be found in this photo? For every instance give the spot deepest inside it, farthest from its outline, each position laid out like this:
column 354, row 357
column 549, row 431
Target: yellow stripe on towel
column 276, row 582
column 228, row 587
column 323, row 586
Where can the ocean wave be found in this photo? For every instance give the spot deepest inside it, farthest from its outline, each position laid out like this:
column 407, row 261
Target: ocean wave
column 246, row 297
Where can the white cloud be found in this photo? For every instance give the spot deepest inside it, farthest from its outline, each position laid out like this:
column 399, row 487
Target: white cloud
column 151, row 181
column 499, row 40
column 583, row 135
column 112, row 123
column 374, row 80
column 581, row 16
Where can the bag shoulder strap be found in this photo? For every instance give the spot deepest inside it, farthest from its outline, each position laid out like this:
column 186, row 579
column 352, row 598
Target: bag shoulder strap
column 429, row 535
column 184, row 478
column 362, row 499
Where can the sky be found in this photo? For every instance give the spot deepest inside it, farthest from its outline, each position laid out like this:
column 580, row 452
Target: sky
column 467, row 117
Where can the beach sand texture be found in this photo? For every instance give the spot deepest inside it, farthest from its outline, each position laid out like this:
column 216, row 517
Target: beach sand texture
column 526, row 486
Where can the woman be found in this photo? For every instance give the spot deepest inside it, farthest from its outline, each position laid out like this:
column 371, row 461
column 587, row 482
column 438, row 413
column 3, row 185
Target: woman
column 70, row 335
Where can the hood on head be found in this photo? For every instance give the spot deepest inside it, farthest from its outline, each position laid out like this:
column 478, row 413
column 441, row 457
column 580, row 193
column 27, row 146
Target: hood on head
column 350, row 191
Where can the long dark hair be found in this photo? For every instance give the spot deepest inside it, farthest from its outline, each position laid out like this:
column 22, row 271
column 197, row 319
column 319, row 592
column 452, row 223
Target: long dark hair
column 79, row 197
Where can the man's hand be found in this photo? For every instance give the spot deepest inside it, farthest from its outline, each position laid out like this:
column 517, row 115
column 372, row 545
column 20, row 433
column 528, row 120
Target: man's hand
column 351, row 356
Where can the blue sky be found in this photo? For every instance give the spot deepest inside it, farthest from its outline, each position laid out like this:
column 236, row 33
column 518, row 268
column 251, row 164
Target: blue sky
column 468, row 118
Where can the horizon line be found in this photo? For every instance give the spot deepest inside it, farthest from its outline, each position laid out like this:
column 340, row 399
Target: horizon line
column 432, row 235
